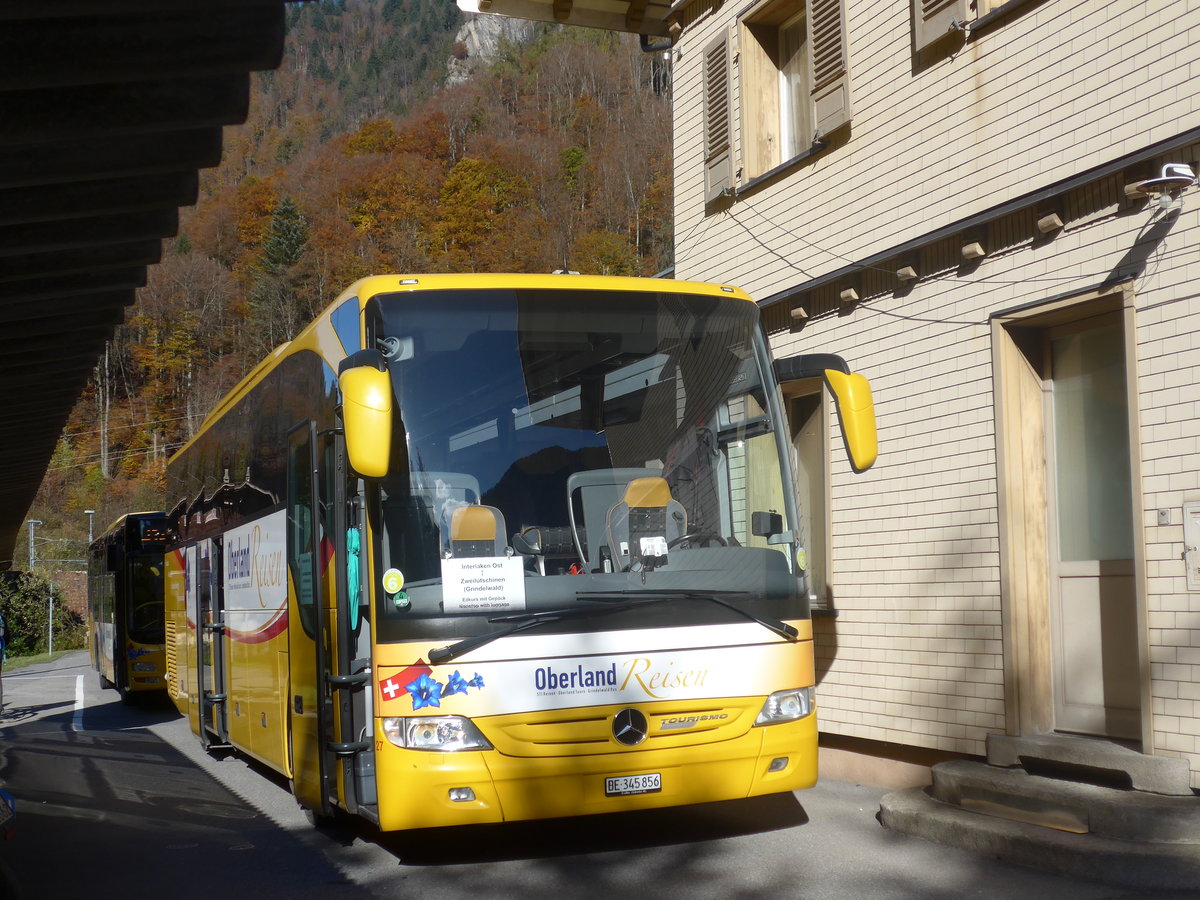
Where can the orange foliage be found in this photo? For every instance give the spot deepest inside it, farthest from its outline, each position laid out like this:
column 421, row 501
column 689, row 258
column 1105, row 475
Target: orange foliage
column 378, row 136
column 557, row 156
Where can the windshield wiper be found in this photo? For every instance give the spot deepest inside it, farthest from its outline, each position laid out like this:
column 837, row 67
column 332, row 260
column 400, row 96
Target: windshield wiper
column 784, row 630
column 614, row 601
column 523, row 621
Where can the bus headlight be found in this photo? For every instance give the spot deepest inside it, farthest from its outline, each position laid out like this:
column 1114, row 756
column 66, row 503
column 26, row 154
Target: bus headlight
column 445, row 733
column 786, row 706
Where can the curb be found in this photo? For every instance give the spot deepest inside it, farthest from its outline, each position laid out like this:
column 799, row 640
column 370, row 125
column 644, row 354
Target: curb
column 1136, row 864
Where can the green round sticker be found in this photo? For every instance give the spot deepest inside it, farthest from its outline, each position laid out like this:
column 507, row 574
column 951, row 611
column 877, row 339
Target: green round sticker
column 393, row 581
column 802, row 559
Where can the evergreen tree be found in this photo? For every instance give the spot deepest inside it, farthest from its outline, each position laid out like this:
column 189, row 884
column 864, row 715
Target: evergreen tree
column 276, row 311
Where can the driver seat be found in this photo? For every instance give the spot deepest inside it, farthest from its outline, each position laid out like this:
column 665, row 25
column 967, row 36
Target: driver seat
column 477, row 531
column 643, row 522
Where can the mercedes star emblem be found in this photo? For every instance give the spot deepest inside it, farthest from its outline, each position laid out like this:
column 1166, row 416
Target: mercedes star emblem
column 630, row 727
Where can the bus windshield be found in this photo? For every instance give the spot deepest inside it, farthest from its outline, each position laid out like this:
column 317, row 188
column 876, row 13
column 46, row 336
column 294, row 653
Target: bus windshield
column 145, row 602
column 562, row 447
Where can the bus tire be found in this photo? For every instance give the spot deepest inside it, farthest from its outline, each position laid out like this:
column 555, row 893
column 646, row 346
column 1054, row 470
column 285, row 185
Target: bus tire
column 317, row 820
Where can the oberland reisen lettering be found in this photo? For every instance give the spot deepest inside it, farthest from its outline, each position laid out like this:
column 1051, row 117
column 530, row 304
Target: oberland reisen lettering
column 546, row 679
column 659, row 681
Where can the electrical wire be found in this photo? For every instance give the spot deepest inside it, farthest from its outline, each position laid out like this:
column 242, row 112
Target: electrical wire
column 1056, row 279
column 990, row 280
column 117, row 457
column 73, row 434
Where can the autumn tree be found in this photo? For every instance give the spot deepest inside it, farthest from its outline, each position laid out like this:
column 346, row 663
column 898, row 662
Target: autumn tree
column 277, row 307
column 353, row 161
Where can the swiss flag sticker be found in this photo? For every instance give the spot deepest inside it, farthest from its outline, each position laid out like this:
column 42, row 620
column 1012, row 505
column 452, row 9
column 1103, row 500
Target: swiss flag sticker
column 396, row 685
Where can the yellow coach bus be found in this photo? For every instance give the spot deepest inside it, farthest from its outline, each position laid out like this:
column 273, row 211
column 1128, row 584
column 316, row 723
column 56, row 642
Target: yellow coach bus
column 484, row 548
column 125, row 604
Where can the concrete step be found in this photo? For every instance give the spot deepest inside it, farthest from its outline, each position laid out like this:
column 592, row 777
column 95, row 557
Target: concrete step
column 1092, row 759
column 1070, row 806
column 1146, row 865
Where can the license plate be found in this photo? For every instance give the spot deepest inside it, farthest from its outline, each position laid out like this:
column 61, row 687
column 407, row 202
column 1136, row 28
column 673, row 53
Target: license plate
column 623, row 785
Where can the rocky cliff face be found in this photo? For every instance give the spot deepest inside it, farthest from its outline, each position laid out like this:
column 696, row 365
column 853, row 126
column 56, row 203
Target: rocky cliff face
column 479, row 41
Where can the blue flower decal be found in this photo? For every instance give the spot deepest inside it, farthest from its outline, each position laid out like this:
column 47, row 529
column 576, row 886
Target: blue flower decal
column 455, row 684
column 425, row 692
column 476, row 682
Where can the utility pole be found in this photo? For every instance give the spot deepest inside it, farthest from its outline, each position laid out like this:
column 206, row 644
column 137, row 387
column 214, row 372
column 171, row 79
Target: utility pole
column 33, row 523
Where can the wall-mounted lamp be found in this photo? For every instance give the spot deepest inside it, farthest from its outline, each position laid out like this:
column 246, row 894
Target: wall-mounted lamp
column 906, row 273
column 849, row 295
column 1174, row 180
column 973, row 251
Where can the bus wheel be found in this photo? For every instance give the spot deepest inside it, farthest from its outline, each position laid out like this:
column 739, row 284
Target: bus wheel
column 105, row 684
column 317, row 820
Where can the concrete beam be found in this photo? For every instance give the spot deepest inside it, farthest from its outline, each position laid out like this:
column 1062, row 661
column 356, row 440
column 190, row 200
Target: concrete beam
column 109, row 47
column 90, row 232
column 32, row 266
column 110, row 156
column 11, row 316
column 48, row 203
column 145, row 107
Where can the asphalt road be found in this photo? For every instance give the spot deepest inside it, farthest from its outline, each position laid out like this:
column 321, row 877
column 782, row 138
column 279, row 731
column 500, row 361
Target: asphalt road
column 120, row 801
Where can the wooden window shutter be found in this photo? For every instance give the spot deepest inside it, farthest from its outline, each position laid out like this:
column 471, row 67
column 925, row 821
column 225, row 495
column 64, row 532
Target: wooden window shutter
column 830, row 64
column 718, row 118
column 933, row 20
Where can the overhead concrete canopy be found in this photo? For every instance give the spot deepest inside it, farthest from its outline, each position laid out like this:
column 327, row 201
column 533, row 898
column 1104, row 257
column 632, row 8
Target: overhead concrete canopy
column 108, row 109
column 649, row 18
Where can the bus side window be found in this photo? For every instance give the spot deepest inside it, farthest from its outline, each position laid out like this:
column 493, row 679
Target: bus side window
column 301, row 529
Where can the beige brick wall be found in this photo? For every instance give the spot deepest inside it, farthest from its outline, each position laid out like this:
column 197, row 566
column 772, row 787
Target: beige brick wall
column 1015, row 110
column 1062, row 88
column 1169, row 398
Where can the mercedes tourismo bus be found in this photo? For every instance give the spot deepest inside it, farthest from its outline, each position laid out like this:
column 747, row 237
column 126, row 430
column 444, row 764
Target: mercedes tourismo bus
column 482, row 548
column 125, row 601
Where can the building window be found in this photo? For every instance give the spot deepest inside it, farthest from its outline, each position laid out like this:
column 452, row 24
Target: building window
column 776, row 118
column 793, row 88
column 795, row 121
column 945, row 22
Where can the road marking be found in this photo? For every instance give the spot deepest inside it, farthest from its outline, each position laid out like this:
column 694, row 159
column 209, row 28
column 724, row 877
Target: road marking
column 77, row 718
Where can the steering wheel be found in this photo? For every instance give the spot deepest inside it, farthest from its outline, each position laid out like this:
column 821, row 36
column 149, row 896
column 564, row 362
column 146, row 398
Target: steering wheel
column 703, row 538
column 145, row 613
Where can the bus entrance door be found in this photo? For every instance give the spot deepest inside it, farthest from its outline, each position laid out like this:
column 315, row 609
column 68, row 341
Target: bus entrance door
column 214, row 723
column 350, row 680
column 308, row 626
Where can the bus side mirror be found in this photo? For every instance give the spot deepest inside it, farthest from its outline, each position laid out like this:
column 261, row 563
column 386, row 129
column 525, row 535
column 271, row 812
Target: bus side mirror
column 856, row 411
column 367, row 412
column 852, row 397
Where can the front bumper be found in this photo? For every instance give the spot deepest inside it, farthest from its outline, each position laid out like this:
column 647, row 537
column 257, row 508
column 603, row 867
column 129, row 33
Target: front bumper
column 415, row 786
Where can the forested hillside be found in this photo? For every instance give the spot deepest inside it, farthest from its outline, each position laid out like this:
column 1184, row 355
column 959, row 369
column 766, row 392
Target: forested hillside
column 357, row 159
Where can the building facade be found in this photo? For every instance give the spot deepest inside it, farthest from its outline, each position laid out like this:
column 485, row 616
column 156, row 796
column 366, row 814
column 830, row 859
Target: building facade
column 987, row 208
column 967, row 202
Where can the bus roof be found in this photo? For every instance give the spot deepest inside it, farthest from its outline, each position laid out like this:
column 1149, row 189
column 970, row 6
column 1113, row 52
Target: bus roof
column 386, row 284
